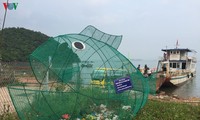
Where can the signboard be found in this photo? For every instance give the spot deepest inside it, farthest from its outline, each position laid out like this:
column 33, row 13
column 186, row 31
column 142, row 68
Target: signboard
column 122, row 84
column 10, row 6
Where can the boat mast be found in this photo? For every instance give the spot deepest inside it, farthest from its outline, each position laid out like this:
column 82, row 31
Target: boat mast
column 177, row 44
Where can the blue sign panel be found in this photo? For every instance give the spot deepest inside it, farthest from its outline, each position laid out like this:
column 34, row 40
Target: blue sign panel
column 122, row 84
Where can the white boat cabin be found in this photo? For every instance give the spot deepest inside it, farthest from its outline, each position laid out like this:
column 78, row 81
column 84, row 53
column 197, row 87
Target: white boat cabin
column 178, row 61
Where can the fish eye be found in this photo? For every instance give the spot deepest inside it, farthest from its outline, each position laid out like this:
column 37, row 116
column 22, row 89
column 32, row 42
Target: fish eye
column 78, row 45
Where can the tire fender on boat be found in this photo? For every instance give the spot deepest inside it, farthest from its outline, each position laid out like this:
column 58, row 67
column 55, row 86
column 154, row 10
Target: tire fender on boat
column 192, row 75
column 188, row 75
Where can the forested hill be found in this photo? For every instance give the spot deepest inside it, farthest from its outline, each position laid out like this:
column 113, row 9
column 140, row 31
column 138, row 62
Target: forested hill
column 17, row 44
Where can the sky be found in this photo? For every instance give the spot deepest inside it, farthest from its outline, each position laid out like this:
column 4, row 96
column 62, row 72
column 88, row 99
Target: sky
column 147, row 26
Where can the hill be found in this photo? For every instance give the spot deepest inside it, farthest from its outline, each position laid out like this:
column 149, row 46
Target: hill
column 16, row 44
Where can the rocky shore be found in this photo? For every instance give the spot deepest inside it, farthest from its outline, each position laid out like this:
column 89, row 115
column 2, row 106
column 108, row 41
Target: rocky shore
column 162, row 96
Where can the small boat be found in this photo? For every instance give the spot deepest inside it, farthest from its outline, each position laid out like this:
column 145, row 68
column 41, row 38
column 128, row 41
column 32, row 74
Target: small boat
column 87, row 64
column 176, row 66
column 103, row 76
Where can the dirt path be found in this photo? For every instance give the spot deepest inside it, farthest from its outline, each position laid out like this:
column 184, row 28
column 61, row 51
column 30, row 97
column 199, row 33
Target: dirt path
column 5, row 101
column 6, row 104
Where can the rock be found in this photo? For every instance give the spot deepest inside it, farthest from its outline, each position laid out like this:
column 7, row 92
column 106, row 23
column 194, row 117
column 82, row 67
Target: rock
column 161, row 97
column 162, row 93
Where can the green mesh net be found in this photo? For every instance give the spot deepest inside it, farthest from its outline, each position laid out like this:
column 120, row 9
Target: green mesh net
column 81, row 76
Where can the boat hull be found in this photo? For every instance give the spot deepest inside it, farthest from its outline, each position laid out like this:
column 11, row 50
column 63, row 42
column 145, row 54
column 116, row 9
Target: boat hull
column 162, row 79
column 178, row 80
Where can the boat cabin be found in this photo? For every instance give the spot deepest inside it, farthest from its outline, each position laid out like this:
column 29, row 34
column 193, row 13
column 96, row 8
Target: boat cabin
column 178, row 60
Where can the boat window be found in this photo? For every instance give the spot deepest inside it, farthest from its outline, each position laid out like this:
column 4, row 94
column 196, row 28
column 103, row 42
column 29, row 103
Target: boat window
column 171, row 52
column 183, row 65
column 178, row 65
column 170, row 65
column 98, row 74
column 174, row 52
column 174, row 65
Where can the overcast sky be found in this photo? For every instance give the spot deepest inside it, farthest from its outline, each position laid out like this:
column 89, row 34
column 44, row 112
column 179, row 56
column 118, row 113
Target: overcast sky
column 147, row 26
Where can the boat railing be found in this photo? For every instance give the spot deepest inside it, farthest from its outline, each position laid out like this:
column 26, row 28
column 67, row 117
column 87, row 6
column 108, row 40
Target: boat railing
column 179, row 72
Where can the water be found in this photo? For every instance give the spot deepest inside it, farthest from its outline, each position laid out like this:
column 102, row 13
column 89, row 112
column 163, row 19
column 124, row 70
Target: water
column 187, row 90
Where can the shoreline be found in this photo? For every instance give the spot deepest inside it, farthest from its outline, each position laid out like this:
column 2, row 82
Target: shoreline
column 162, row 96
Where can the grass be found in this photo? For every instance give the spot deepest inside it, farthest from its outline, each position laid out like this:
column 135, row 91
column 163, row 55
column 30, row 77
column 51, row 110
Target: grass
column 43, row 106
column 155, row 110
column 162, row 110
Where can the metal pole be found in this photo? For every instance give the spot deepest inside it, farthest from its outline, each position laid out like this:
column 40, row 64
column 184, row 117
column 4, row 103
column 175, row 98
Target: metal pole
column 47, row 75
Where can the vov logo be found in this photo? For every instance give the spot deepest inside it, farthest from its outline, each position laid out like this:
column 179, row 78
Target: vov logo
column 10, row 6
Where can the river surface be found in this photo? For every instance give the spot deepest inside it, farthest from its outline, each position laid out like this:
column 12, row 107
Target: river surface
column 189, row 89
